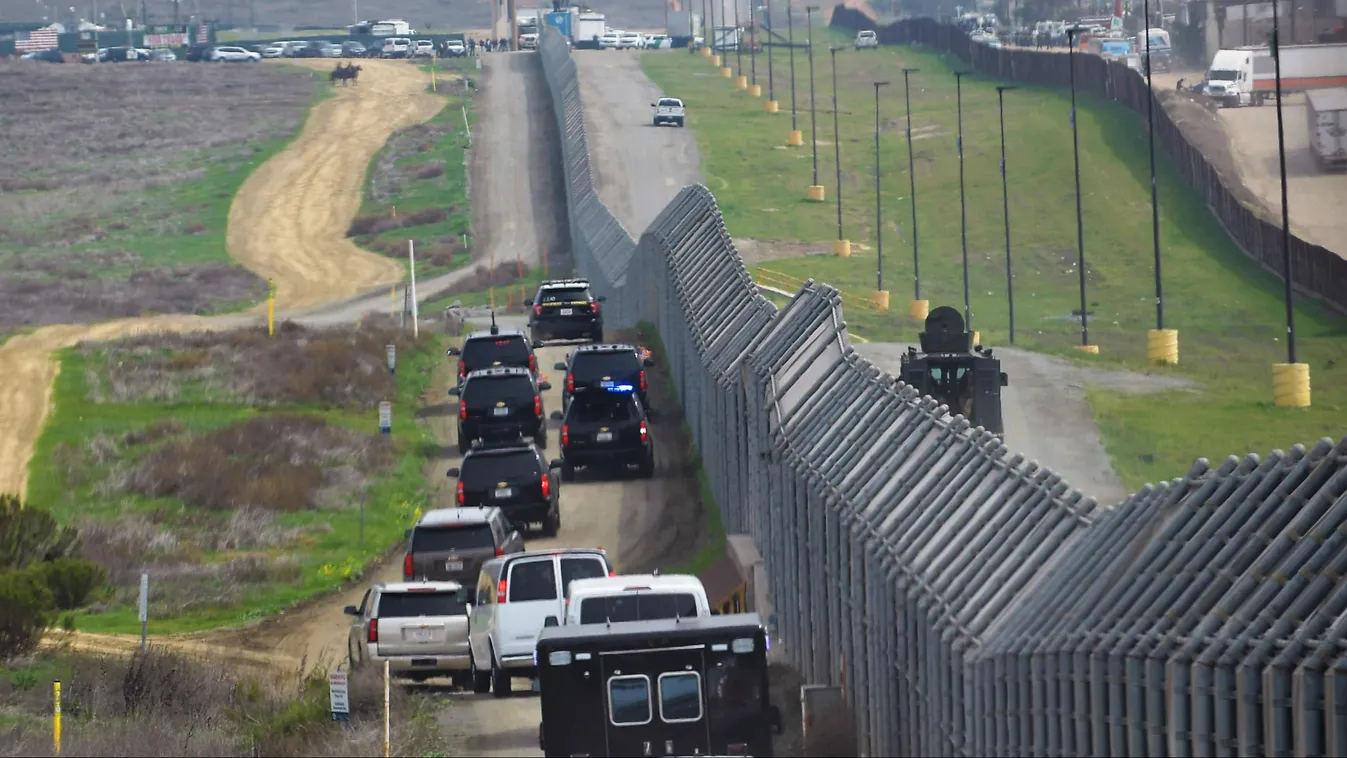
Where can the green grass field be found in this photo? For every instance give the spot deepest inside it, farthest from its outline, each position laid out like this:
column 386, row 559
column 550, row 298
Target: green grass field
column 1228, row 310
column 322, row 547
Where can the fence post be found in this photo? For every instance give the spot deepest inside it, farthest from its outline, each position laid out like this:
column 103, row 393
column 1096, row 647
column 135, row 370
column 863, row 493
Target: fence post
column 56, row 716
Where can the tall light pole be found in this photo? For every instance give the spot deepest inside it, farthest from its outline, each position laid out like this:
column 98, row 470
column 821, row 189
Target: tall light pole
column 1291, row 382
column 1005, row 206
column 1158, row 346
column 963, row 206
column 795, row 139
column 843, row 246
column 772, row 105
column 753, row 51
column 879, row 209
column 815, row 189
column 1080, row 223
column 918, row 308
column 738, row 46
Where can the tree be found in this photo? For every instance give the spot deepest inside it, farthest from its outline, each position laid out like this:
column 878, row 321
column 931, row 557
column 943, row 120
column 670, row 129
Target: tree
column 31, row 535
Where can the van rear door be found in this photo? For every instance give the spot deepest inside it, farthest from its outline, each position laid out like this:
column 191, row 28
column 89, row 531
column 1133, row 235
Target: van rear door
column 656, row 697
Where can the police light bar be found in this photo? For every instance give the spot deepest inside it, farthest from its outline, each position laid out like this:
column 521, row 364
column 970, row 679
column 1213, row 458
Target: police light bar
column 621, row 388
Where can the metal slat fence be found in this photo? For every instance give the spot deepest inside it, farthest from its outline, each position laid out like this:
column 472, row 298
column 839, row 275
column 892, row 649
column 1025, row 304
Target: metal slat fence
column 969, row 601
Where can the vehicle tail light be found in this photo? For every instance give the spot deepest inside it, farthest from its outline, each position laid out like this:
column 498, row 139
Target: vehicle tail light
column 594, row 307
column 566, row 434
column 533, row 363
column 460, row 493
column 500, row 591
column 374, row 630
column 462, row 370
column 408, row 566
column 612, row 574
column 537, row 310
column 738, row 748
column 547, row 485
column 463, row 409
column 570, row 382
column 500, row 551
column 645, row 433
column 643, row 381
column 538, row 406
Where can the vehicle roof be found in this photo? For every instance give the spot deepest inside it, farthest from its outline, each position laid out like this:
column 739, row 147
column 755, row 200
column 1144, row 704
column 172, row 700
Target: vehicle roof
column 607, row 347
column 387, row 587
column 563, row 551
column 692, row 626
column 634, row 582
column 1328, row 99
column 454, row 516
column 499, row 448
column 496, row 372
column 564, row 284
column 486, row 334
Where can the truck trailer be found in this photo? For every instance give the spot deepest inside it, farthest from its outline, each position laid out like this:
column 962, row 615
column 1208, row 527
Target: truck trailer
column 1248, row 75
column 1326, row 112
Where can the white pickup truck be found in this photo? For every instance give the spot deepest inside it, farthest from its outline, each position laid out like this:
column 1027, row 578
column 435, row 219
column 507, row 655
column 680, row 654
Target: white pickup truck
column 668, row 110
column 867, row 40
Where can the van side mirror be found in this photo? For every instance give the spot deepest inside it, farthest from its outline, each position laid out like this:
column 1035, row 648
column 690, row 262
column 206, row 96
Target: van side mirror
column 538, row 344
column 774, row 716
column 559, row 366
column 602, row 298
column 1005, row 380
column 453, row 392
column 462, row 595
column 452, row 472
column 529, row 301
column 555, row 415
column 715, row 611
column 550, row 621
column 407, row 534
column 351, row 610
column 648, row 362
column 555, row 463
column 544, row 385
column 453, row 351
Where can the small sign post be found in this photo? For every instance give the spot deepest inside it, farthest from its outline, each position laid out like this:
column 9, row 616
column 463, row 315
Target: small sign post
column 144, row 607
column 392, row 359
column 340, row 695
column 385, row 417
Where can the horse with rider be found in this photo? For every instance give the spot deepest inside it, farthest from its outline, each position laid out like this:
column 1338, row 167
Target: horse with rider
column 345, row 72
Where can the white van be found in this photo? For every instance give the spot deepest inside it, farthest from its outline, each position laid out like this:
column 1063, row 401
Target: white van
column 396, row 47
column 636, row 597
column 517, row 595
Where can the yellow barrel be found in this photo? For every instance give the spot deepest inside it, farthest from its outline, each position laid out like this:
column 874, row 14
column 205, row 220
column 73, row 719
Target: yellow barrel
column 1162, row 346
column 773, row 106
column 795, row 138
column 918, row 310
column 815, row 192
column 880, row 299
column 842, row 248
column 1291, row 385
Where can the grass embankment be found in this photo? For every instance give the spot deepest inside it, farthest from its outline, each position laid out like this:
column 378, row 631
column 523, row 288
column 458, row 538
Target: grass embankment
column 417, row 189
column 1228, row 311
column 233, row 466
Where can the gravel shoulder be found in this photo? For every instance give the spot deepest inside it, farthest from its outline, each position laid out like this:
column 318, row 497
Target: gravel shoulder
column 1046, row 415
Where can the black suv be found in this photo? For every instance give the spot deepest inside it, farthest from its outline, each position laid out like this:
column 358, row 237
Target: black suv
column 500, row 404
column 602, row 367
column 495, row 348
column 565, row 310
column 515, row 477
column 606, row 428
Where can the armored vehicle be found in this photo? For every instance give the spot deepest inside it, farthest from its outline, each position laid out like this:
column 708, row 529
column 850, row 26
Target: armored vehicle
column 951, row 369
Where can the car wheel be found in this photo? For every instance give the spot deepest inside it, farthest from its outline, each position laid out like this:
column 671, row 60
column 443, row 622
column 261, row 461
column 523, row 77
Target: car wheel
column 463, row 446
column 481, row 680
column 567, row 472
column 648, row 466
column 541, row 437
column 550, row 525
column 500, row 681
column 352, row 661
column 596, row 335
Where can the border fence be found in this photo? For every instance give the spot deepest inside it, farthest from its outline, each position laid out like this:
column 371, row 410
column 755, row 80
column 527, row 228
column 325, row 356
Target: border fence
column 1314, row 269
column 968, row 601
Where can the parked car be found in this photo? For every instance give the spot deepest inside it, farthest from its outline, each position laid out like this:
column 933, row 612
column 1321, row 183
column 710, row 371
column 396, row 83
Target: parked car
column 867, row 40
column 234, row 54
column 353, row 49
column 423, row 48
column 52, row 55
column 631, row 41
column 610, row 40
column 516, row 596
column 451, row 544
column 291, row 48
column 197, row 53
column 162, row 54
column 111, row 55
column 396, row 47
column 455, row 48
column 419, row 628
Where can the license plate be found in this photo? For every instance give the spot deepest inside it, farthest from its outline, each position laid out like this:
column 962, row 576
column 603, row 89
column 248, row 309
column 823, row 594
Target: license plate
column 504, row 492
column 500, row 411
column 421, row 635
column 567, row 311
column 604, row 437
column 453, row 565
column 605, row 384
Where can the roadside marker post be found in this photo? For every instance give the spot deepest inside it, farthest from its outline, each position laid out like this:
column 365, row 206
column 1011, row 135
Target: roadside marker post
column 386, row 715
column 411, row 257
column 339, row 695
column 144, row 607
column 56, row 717
column 271, row 307
column 385, row 417
column 392, row 358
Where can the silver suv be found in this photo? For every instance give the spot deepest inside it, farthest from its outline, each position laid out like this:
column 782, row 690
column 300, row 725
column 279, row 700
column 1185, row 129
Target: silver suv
column 420, row 628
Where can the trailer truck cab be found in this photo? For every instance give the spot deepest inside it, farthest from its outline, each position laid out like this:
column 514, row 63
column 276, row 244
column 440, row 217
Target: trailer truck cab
column 682, row 686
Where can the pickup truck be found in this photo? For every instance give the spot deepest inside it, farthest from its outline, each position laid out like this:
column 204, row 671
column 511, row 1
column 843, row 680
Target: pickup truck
column 420, row 628
column 867, row 40
column 668, row 110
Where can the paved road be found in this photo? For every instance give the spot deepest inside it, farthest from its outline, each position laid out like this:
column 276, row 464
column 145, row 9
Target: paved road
column 640, row 167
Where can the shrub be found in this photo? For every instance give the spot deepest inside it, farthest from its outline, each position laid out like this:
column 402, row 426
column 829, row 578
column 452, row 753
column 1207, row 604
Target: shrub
column 426, row 216
column 30, row 535
column 25, row 612
column 72, row 580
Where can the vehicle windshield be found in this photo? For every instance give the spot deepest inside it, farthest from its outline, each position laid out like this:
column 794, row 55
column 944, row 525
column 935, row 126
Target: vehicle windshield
column 670, row 103
column 484, row 392
column 612, row 407
column 509, row 350
column 1222, row 75
column 439, row 539
column 401, row 605
column 485, row 470
column 553, row 295
column 643, row 606
column 593, row 367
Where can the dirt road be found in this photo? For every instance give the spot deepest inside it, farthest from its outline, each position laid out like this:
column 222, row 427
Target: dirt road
column 1049, row 393
column 288, row 223
column 1316, row 198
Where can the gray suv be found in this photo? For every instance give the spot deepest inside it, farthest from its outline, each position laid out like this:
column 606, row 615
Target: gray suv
column 451, row 544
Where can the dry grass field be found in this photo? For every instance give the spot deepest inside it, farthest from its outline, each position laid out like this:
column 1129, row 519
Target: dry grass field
column 116, row 183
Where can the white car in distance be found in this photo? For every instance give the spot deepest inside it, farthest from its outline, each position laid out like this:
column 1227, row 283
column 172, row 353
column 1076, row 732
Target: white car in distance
column 610, row 40
column 867, row 40
column 631, row 41
column 231, row 54
column 669, row 110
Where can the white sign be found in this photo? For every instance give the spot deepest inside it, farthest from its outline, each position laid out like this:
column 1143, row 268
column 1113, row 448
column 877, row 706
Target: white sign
column 340, row 694
column 144, row 596
column 386, row 417
column 392, row 358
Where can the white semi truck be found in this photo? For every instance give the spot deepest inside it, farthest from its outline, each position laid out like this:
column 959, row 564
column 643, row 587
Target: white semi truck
column 1326, row 112
column 1247, row 75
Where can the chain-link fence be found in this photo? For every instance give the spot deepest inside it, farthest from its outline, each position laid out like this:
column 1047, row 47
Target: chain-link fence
column 969, row 601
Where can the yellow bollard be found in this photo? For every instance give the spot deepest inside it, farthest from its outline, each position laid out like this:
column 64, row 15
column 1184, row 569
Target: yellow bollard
column 842, row 248
column 773, row 106
column 918, row 310
column 56, row 717
column 977, row 339
column 880, row 299
column 726, row 72
column 271, row 307
column 392, row 301
column 741, row 82
column 1291, row 385
column 795, row 138
column 715, row 60
column 1162, row 346
column 1091, row 349
column 706, row 52
column 755, row 90
column 432, row 78
column 815, row 192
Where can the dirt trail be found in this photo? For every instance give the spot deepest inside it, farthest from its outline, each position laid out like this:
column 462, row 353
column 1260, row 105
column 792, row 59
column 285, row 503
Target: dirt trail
column 288, row 223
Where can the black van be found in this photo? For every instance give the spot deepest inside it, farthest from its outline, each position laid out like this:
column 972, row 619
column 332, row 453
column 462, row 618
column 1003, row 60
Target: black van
column 680, row 686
